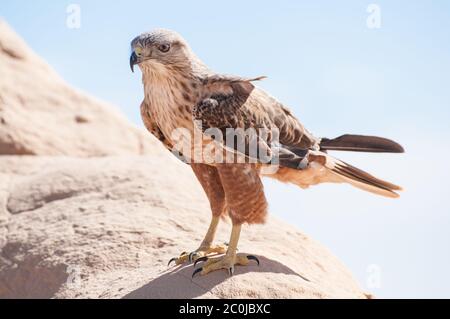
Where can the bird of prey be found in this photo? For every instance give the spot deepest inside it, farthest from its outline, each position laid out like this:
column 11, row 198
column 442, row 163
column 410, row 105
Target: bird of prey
column 180, row 91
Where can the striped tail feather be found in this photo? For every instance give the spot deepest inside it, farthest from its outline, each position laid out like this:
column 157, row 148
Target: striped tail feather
column 361, row 179
column 316, row 167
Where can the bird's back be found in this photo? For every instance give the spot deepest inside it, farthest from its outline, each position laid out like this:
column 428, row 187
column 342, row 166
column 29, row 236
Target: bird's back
column 274, row 114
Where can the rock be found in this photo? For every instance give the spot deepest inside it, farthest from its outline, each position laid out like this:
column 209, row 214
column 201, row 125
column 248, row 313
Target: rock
column 40, row 113
column 106, row 228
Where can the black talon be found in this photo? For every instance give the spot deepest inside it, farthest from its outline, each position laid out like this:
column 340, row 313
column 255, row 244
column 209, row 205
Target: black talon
column 251, row 257
column 170, row 261
column 196, row 271
column 231, row 271
column 183, row 253
column 191, row 256
column 200, row 260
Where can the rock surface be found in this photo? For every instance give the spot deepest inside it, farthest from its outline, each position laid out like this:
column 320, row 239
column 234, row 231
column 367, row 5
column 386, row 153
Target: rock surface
column 105, row 227
column 40, row 113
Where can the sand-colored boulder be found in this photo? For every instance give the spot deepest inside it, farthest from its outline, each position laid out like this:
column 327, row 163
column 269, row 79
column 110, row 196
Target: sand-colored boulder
column 106, row 227
column 41, row 115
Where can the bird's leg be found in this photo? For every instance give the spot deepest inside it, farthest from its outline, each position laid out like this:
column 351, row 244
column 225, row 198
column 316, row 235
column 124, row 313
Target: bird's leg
column 229, row 260
column 206, row 247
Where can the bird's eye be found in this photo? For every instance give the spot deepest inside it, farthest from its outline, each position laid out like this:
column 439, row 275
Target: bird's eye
column 138, row 51
column 164, row 48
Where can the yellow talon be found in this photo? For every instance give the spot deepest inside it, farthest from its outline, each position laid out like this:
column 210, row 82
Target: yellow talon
column 224, row 262
column 229, row 260
column 202, row 251
column 206, row 248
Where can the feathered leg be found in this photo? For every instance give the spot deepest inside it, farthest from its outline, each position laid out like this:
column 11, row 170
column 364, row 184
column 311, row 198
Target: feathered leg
column 211, row 183
column 247, row 204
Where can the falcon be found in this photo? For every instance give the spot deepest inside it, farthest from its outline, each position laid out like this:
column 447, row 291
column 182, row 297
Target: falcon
column 182, row 94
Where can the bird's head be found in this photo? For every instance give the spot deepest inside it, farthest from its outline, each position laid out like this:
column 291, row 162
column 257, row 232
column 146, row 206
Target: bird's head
column 160, row 47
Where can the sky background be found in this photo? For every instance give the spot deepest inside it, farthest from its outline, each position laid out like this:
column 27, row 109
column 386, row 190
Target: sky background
column 336, row 74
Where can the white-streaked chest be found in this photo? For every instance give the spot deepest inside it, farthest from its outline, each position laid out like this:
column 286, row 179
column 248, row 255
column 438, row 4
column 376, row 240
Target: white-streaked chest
column 164, row 97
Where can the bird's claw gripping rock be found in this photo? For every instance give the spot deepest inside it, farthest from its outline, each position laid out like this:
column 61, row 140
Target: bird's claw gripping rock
column 224, row 262
column 186, row 257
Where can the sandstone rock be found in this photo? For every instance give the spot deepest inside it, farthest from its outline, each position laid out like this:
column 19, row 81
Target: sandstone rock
column 106, row 227
column 40, row 113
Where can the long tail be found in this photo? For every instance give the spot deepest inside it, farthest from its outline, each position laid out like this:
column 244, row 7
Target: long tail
column 344, row 172
column 353, row 175
column 361, row 143
column 315, row 167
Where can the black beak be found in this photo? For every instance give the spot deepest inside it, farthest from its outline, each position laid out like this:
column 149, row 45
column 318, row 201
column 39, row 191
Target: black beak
column 133, row 61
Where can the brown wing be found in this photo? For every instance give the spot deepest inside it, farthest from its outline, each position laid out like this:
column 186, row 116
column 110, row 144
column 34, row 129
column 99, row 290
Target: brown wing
column 292, row 132
column 235, row 103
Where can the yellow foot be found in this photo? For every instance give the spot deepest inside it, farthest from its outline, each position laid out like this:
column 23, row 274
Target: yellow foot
column 203, row 251
column 223, row 262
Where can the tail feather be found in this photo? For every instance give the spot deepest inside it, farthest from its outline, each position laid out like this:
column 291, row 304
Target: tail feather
column 361, row 143
column 361, row 179
column 305, row 167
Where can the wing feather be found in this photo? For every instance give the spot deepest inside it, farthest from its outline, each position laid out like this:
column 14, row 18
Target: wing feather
column 235, row 103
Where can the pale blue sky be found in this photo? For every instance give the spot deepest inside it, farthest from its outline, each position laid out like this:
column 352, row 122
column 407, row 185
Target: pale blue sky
column 336, row 74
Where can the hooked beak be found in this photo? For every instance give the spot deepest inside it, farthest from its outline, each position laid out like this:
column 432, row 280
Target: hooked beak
column 134, row 59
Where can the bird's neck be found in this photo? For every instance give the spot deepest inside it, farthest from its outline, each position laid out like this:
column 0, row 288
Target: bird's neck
column 170, row 95
column 167, row 87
